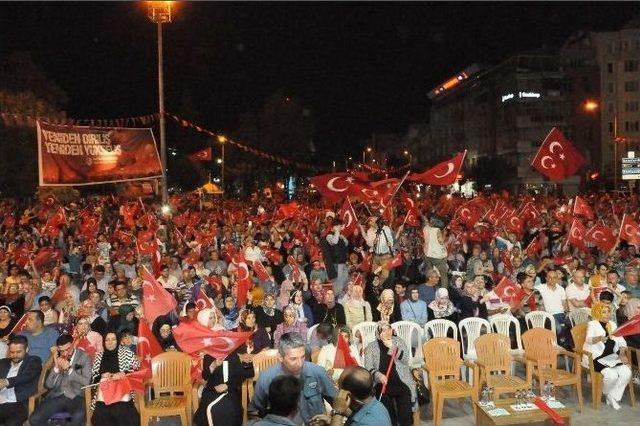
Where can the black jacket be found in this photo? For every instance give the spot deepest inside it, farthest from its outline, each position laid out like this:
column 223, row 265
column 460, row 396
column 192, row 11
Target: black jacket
column 25, row 383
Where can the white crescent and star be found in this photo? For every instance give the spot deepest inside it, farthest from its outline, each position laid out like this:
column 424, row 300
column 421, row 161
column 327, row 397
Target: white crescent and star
column 595, row 236
column 465, row 213
column 545, row 158
column 516, row 224
column 450, row 167
column 556, row 143
column 347, row 218
column 575, row 234
column 628, row 229
column 332, row 187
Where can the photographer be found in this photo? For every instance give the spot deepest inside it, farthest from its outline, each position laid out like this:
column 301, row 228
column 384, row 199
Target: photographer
column 338, row 248
column 71, row 371
column 379, row 238
column 435, row 253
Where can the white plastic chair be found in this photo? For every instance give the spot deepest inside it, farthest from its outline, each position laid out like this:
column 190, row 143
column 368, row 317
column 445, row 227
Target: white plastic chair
column 310, row 332
column 539, row 319
column 501, row 324
column 470, row 330
column 411, row 333
column 579, row 316
column 367, row 332
column 440, row 328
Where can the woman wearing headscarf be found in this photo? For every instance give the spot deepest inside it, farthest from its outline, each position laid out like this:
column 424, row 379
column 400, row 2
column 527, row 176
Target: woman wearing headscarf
column 471, row 303
column 223, row 388
column 268, row 316
column 304, row 313
column 211, row 318
column 356, row 309
column 290, row 324
column 86, row 339
column 607, row 358
column 162, row 329
column 7, row 322
column 259, row 340
column 285, row 293
column 372, row 293
column 388, row 309
column 230, row 312
column 400, row 391
column 441, row 307
column 113, row 362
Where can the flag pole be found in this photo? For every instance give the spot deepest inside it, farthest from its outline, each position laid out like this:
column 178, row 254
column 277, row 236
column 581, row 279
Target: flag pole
column 395, row 192
column 391, row 362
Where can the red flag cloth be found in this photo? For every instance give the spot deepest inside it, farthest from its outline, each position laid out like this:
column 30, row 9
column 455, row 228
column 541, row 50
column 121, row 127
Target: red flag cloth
column 530, row 213
column 287, row 211
column 84, row 344
column 260, row 271
column 128, row 213
column 52, row 228
column 602, row 236
column 196, row 368
column 202, row 155
column 193, row 338
column 394, row 354
column 629, row 231
column 534, row 246
column 553, row 414
column 156, row 300
column 202, row 301
column 365, row 265
column 20, row 326
column 513, row 223
column 396, row 262
column 46, row 256
column 506, row 290
column 343, row 358
column 349, row 218
column 445, row 173
column 114, row 390
column 557, row 158
column 582, row 208
column 335, row 186
column 576, row 235
column 629, row 328
column 147, row 346
column 243, row 279
column 412, row 218
column 469, row 215
column 59, row 294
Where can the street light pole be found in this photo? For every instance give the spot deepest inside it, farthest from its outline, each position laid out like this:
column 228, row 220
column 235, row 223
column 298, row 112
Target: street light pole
column 160, row 13
column 221, row 161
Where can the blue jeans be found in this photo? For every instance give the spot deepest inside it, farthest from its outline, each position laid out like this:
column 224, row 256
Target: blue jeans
column 59, row 404
column 562, row 330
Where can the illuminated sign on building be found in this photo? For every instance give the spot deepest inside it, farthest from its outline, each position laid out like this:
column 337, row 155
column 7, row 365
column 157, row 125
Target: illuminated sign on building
column 521, row 95
column 454, row 81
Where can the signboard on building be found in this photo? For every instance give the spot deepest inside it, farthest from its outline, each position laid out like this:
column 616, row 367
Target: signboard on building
column 630, row 168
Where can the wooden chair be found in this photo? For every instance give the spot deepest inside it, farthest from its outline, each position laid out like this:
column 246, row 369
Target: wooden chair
column 494, row 362
column 443, row 363
column 579, row 333
column 440, row 328
column 171, row 382
column 501, row 324
column 410, row 333
column 261, row 362
column 542, row 361
column 42, row 390
column 579, row 316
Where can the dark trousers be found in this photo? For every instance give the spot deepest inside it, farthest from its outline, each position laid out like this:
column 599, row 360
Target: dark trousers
column 399, row 406
column 117, row 414
column 59, row 404
column 13, row 413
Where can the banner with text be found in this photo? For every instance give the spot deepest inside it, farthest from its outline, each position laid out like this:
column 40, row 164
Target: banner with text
column 77, row 155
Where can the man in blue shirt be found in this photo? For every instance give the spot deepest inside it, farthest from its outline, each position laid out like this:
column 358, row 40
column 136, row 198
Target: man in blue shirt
column 356, row 402
column 414, row 309
column 316, row 384
column 284, row 393
column 41, row 339
column 427, row 290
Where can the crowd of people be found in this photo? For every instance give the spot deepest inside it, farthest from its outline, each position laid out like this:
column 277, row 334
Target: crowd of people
column 72, row 283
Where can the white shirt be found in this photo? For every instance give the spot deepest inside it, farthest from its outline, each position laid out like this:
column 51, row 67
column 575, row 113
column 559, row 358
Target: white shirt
column 252, row 254
column 327, row 355
column 170, row 282
column 432, row 247
column 381, row 246
column 573, row 292
column 553, row 299
column 9, row 394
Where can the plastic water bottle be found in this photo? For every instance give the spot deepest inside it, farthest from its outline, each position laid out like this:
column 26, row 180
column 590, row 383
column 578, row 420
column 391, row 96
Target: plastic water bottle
column 491, row 395
column 551, row 391
column 484, row 399
column 545, row 390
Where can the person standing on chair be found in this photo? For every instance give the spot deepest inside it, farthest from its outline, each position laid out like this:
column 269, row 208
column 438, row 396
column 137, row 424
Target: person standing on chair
column 435, row 253
column 71, row 371
column 19, row 374
column 339, row 245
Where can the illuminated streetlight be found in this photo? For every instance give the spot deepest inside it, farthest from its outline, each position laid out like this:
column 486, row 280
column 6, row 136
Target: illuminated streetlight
column 222, row 139
column 590, row 106
column 368, row 149
column 160, row 13
column 219, row 161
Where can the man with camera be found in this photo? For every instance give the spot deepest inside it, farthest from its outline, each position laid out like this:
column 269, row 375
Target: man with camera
column 435, row 253
column 379, row 238
column 70, row 373
column 338, row 246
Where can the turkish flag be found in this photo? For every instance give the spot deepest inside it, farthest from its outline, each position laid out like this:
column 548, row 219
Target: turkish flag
column 530, row 213
column 534, row 246
column 576, row 235
column 445, row 173
column 629, row 328
column 506, row 289
column 287, row 211
column 394, row 263
column 156, row 300
column 260, row 271
column 243, row 281
column 582, row 208
column 468, row 215
column 193, row 338
column 47, row 256
column 52, row 228
column 59, row 294
column 147, row 346
column 412, row 218
column 513, row 223
column 84, row 344
column 343, row 358
column 602, row 236
column 365, row 265
column 202, row 301
column 629, row 230
column 557, row 158
column 114, row 390
column 89, row 226
column 335, row 186
column 202, row 155
column 349, row 218
column 128, row 213
column 505, row 256
column 20, row 326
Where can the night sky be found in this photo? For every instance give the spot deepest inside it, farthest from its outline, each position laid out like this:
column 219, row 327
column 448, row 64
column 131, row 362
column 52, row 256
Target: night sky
column 359, row 67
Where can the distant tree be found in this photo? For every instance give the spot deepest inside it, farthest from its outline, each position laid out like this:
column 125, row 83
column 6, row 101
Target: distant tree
column 25, row 90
